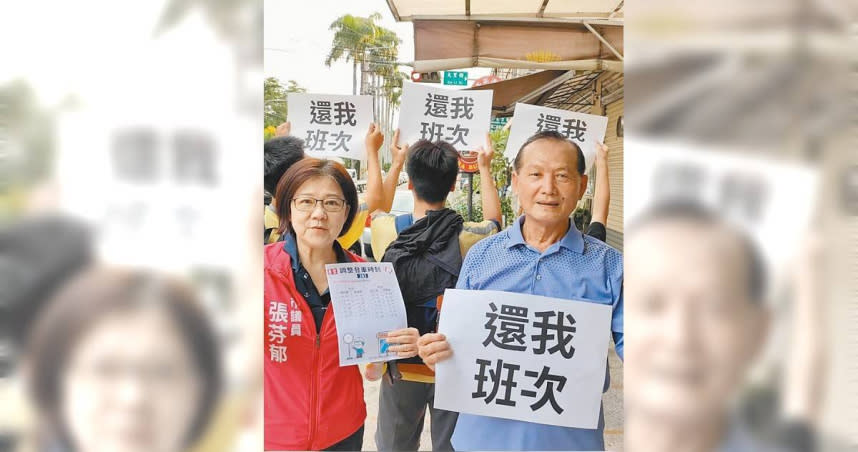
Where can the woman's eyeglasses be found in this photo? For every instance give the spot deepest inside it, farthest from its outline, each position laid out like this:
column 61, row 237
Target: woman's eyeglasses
column 308, row 203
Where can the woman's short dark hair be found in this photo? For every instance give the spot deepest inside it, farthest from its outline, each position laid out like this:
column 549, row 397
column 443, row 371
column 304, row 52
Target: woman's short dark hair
column 305, row 170
column 97, row 293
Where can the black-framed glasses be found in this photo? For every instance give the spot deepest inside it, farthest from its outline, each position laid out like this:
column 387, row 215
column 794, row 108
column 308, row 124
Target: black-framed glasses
column 308, row 203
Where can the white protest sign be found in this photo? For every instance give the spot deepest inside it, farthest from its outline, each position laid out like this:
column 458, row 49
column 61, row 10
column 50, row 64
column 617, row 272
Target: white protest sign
column 585, row 130
column 157, row 184
column 367, row 304
column 533, row 358
column 461, row 118
column 771, row 201
column 331, row 126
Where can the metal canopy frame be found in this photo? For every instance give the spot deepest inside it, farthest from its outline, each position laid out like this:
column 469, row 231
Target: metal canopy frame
column 609, row 16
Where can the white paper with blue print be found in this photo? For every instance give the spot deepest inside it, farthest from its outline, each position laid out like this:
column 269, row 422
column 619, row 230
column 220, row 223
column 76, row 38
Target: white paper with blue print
column 367, row 304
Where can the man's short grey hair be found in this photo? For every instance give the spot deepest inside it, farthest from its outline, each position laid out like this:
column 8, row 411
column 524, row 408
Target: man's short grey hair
column 550, row 135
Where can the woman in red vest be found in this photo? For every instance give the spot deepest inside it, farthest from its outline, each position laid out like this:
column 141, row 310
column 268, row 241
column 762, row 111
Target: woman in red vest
column 311, row 403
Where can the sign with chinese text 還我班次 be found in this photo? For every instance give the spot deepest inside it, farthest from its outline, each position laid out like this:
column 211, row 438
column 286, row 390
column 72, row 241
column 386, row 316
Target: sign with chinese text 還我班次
column 533, row 358
column 331, row 126
column 460, row 118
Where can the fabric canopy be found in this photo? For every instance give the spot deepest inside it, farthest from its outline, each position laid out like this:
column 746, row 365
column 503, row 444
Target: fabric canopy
column 441, row 45
column 584, row 35
column 508, row 92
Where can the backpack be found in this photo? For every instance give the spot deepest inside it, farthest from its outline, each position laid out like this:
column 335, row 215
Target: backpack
column 430, row 271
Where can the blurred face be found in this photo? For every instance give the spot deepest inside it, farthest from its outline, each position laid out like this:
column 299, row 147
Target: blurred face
column 131, row 385
column 319, row 226
column 690, row 327
column 548, row 185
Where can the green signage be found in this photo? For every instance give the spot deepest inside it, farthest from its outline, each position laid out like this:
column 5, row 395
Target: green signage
column 498, row 123
column 459, row 78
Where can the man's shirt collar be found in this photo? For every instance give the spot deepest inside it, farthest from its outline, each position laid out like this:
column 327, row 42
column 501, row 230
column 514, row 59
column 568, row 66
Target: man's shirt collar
column 573, row 240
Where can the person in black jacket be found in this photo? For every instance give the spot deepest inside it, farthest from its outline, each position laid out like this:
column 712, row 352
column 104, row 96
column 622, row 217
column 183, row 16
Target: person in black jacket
column 426, row 247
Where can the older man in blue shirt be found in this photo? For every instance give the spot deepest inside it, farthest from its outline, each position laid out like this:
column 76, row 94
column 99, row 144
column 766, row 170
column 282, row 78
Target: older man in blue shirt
column 542, row 253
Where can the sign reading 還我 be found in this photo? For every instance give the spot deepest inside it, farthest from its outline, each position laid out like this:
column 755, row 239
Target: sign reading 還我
column 331, row 126
column 533, row 358
column 460, row 118
column 585, row 130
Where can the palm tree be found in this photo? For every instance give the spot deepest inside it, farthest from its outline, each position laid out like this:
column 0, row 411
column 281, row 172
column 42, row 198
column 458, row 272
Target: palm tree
column 391, row 91
column 353, row 35
column 382, row 66
column 376, row 49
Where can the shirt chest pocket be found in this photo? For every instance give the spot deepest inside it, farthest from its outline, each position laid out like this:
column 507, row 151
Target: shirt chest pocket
column 565, row 283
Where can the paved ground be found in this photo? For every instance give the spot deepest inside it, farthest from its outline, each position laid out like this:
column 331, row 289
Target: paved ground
column 613, row 404
column 612, row 400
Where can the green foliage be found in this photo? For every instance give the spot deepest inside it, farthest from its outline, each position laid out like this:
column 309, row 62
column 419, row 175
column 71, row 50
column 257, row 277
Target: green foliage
column 506, row 211
column 581, row 217
column 27, row 146
column 352, row 36
column 268, row 133
column 501, row 174
column 27, row 137
column 500, row 164
column 361, row 40
column 458, row 201
column 274, row 97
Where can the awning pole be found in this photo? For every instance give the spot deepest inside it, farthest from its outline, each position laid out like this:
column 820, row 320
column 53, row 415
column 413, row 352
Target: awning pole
column 593, row 30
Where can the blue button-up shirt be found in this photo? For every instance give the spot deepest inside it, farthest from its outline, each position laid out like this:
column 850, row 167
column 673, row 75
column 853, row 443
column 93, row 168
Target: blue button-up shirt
column 577, row 267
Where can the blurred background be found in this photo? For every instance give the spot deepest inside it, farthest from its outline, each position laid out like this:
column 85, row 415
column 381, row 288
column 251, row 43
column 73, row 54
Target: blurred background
column 130, row 170
column 748, row 109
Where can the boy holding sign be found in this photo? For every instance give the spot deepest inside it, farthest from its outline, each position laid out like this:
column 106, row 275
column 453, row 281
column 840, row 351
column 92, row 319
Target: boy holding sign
column 426, row 248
